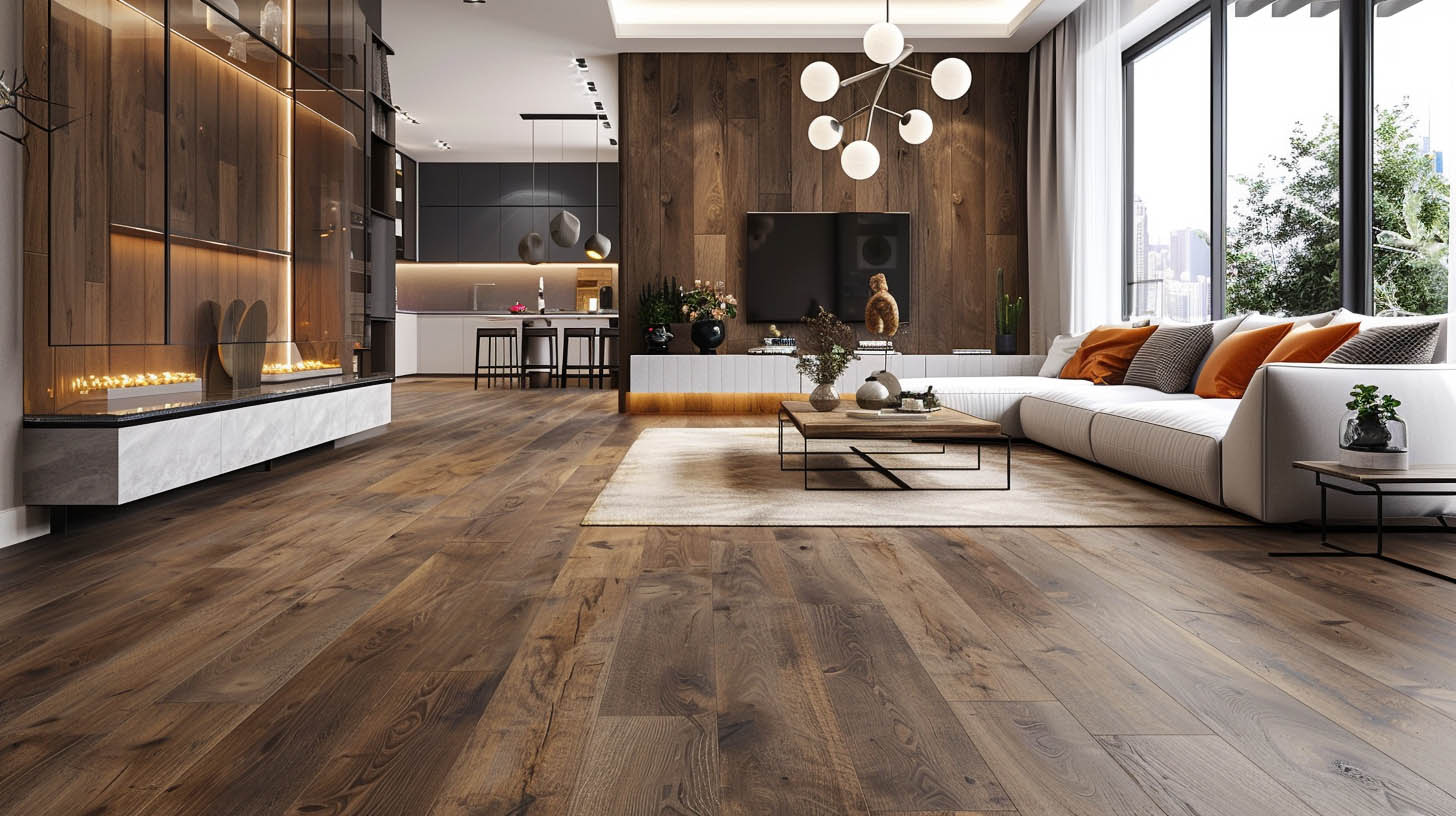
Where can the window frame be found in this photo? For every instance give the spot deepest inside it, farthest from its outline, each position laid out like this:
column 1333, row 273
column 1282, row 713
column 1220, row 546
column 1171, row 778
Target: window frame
column 1356, row 150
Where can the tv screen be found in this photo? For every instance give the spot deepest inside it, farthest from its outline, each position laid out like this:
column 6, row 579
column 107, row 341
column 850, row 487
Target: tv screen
column 798, row 262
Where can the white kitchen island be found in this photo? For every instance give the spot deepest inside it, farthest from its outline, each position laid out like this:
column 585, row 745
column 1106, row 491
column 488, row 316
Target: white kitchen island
column 444, row 342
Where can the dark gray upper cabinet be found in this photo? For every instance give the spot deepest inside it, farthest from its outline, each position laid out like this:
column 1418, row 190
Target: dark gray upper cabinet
column 515, row 185
column 611, row 185
column 439, row 184
column 571, row 185
column 480, row 229
column 479, row 185
column 439, row 233
column 515, row 222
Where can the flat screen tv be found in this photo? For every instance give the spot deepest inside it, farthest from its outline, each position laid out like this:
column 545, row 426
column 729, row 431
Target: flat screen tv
column 798, row 262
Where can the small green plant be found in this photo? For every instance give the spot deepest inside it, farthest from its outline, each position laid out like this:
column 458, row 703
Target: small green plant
column 708, row 301
column 1008, row 311
column 657, row 304
column 1372, row 406
column 826, row 353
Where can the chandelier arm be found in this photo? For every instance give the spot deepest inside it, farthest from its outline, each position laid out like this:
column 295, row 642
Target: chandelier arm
column 915, row 72
column 880, row 91
column 853, row 116
column 896, row 114
column 845, row 83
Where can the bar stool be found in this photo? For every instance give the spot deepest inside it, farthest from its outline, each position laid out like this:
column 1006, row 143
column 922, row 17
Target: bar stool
column 503, row 369
column 577, row 369
column 608, row 341
column 549, row 366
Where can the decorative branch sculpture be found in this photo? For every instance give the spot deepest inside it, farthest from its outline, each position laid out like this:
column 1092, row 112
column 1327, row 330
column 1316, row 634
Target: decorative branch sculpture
column 11, row 95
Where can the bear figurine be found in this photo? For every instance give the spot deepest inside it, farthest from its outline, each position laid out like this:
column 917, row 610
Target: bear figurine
column 882, row 313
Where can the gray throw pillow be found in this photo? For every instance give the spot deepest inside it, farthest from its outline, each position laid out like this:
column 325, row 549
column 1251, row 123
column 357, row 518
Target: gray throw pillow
column 1390, row 345
column 1168, row 358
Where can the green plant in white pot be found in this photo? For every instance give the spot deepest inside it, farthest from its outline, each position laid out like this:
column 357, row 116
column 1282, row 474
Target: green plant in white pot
column 1372, row 433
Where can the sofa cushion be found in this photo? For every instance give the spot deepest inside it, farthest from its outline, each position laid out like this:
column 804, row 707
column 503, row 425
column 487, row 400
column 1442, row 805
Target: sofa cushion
column 994, row 398
column 1062, row 348
column 1234, row 362
column 1305, row 344
column 1412, row 344
column 1367, row 322
column 1221, row 331
column 1063, row 419
column 1173, row 444
column 1105, row 355
column 1167, row 361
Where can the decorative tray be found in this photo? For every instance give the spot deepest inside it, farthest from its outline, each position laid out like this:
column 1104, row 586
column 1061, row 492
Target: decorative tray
column 917, row 410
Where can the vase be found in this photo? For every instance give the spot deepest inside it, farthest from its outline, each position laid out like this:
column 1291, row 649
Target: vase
column 1373, row 443
column 657, row 336
column 708, row 335
column 1005, row 344
column 873, row 395
column 824, row 397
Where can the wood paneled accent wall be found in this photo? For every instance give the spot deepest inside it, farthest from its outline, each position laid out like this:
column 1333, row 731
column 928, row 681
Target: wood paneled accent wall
column 707, row 138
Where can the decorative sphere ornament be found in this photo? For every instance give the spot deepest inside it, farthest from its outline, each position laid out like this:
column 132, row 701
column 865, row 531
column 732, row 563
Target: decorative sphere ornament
column 915, row 126
column 860, row 160
column 825, row 132
column 532, row 248
column 951, row 78
column 873, row 395
column 883, row 42
column 820, row 81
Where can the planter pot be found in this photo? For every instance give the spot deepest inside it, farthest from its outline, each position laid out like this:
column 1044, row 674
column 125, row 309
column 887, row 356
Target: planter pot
column 872, row 396
column 1005, row 344
column 708, row 335
column 824, row 397
column 1368, row 442
column 657, row 336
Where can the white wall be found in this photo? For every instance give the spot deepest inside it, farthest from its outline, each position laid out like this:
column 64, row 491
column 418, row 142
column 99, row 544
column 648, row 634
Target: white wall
column 17, row 523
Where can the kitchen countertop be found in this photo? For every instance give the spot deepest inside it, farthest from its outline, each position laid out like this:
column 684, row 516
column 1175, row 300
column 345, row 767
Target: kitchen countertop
column 504, row 313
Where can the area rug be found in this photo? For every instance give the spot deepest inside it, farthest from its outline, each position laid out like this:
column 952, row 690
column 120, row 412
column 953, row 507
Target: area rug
column 730, row 477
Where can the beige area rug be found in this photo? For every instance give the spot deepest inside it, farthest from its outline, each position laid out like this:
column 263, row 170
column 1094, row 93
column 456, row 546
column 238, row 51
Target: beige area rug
column 730, row 477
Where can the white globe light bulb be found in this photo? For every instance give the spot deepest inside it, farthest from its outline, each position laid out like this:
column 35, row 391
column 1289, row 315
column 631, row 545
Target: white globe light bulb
column 883, row 42
column 951, row 78
column 915, row 126
column 825, row 132
column 819, row 81
column 860, row 160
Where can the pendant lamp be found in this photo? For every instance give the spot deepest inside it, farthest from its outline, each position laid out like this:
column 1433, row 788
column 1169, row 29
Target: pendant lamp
column 532, row 247
column 565, row 227
column 598, row 246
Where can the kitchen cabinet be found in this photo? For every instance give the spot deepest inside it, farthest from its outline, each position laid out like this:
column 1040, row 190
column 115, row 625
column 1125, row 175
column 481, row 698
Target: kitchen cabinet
column 439, row 184
column 480, row 233
column 439, row 234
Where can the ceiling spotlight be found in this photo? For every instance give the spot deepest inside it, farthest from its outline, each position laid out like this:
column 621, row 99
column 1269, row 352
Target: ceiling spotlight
column 580, row 63
column 442, row 144
column 475, row 2
column 613, row 141
column 599, row 105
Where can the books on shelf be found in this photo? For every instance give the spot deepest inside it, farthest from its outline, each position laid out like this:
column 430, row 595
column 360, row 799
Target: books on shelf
column 780, row 350
column 856, row 413
column 970, row 351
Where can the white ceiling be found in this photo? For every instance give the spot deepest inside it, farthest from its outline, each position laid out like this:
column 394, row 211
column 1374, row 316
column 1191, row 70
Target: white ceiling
column 467, row 71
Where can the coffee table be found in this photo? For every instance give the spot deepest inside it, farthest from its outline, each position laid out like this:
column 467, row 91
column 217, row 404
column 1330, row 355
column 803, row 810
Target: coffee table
column 946, row 426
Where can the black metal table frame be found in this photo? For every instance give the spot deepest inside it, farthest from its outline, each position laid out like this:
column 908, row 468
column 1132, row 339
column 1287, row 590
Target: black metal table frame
column 1380, row 495
column 871, row 464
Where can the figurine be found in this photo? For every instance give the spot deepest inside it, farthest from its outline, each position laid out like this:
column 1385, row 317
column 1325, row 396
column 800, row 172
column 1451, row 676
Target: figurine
column 518, row 308
column 882, row 313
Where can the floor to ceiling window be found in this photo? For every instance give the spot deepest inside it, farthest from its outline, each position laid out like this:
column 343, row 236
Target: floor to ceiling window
column 1234, row 112
column 1170, row 264
column 1283, row 143
column 1415, row 103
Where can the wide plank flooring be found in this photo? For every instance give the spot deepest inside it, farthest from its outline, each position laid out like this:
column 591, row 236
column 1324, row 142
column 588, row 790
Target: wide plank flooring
column 417, row 624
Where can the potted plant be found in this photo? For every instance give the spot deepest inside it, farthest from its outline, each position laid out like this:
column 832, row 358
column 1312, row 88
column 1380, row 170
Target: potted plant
column 706, row 306
column 1008, row 316
column 656, row 307
column 825, row 355
column 1372, row 434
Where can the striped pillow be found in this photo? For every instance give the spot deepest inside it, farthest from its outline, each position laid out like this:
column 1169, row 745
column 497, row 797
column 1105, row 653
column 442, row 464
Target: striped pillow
column 1390, row 345
column 1167, row 361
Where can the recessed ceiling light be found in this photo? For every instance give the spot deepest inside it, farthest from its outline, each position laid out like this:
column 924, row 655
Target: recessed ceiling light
column 581, row 64
column 613, row 141
column 475, row 2
column 599, row 106
column 442, row 144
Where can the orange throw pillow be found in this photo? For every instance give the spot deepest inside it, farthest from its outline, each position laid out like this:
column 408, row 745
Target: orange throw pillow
column 1306, row 345
column 1233, row 362
column 1105, row 355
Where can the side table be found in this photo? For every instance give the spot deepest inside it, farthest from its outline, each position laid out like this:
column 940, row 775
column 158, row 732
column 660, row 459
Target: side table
column 1362, row 482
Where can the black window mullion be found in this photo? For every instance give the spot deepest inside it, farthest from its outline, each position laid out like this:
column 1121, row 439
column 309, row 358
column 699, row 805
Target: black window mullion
column 1357, row 151
column 1218, row 164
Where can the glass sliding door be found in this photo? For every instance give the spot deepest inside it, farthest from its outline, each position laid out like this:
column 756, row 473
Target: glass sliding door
column 1415, row 131
column 1169, row 273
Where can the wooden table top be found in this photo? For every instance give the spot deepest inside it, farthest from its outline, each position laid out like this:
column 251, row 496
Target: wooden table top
column 947, row 423
column 1418, row 474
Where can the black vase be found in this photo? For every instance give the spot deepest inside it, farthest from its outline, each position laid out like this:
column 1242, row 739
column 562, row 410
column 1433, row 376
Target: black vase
column 708, row 335
column 657, row 336
column 1005, row 344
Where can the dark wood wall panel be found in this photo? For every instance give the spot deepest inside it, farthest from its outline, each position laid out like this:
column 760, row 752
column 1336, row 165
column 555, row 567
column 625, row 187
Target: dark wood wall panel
column 710, row 137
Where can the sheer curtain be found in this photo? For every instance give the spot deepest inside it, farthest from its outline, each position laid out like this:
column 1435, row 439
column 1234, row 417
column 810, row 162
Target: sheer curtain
column 1074, row 175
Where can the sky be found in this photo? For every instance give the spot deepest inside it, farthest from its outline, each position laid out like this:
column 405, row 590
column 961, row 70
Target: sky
column 1281, row 71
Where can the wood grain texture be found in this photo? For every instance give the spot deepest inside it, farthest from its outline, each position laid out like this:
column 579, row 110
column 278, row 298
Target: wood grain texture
column 359, row 642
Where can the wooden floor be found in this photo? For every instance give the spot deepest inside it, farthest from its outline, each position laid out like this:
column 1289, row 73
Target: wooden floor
column 417, row 624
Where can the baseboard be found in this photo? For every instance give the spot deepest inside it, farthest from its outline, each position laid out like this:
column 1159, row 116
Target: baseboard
column 23, row 523
column 709, row 403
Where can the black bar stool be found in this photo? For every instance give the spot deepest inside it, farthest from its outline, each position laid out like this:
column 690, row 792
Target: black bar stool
column 508, row 367
column 549, row 366
column 577, row 369
column 608, row 341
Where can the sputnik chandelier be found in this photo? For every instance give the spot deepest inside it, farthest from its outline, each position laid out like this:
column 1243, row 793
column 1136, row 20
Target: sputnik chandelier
column 883, row 43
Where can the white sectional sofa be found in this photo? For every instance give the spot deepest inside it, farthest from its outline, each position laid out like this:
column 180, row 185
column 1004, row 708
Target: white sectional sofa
column 1236, row 453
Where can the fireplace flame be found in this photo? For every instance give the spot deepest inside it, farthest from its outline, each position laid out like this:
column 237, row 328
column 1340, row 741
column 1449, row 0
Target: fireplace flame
column 82, row 385
column 294, row 368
